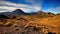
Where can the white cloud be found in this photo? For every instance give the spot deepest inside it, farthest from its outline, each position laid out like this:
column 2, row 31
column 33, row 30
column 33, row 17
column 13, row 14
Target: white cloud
column 36, row 3
column 12, row 6
column 54, row 10
column 57, row 8
column 7, row 8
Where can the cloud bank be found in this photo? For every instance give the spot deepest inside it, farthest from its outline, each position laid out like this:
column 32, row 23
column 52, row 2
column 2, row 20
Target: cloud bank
column 36, row 5
column 53, row 10
column 10, row 6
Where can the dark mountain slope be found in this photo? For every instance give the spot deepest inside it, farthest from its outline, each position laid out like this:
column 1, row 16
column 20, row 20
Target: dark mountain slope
column 2, row 16
column 18, row 11
column 38, row 14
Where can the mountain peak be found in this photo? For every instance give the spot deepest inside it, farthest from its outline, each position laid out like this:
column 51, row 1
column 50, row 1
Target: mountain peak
column 18, row 11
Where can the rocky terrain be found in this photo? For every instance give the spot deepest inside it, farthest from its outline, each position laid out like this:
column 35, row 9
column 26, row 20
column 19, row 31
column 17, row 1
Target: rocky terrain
column 19, row 22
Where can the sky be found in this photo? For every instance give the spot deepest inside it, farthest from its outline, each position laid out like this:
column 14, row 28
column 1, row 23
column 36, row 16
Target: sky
column 30, row 5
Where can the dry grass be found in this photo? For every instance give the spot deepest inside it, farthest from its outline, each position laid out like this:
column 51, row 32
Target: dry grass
column 30, row 25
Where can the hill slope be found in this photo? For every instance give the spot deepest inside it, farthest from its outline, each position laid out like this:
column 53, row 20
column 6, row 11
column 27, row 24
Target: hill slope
column 32, row 23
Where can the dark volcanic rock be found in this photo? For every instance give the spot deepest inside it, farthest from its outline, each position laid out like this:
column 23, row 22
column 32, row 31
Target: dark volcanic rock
column 18, row 11
column 2, row 16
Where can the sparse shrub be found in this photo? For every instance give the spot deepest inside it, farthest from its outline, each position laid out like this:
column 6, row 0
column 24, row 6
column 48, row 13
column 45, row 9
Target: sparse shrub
column 1, row 25
column 23, row 19
column 4, row 22
column 36, row 29
column 51, row 33
column 18, row 19
column 15, row 26
column 54, row 33
column 9, row 25
column 17, row 29
column 14, row 17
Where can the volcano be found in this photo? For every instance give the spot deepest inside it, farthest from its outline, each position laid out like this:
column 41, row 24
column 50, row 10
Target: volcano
column 18, row 11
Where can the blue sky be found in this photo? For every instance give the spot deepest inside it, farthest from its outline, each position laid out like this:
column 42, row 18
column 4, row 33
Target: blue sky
column 30, row 5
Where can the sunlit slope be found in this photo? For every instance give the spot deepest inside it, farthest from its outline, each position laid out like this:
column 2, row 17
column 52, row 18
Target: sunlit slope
column 31, row 25
column 54, row 21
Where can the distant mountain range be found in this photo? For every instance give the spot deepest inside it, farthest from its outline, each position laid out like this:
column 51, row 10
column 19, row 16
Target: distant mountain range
column 21, row 12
